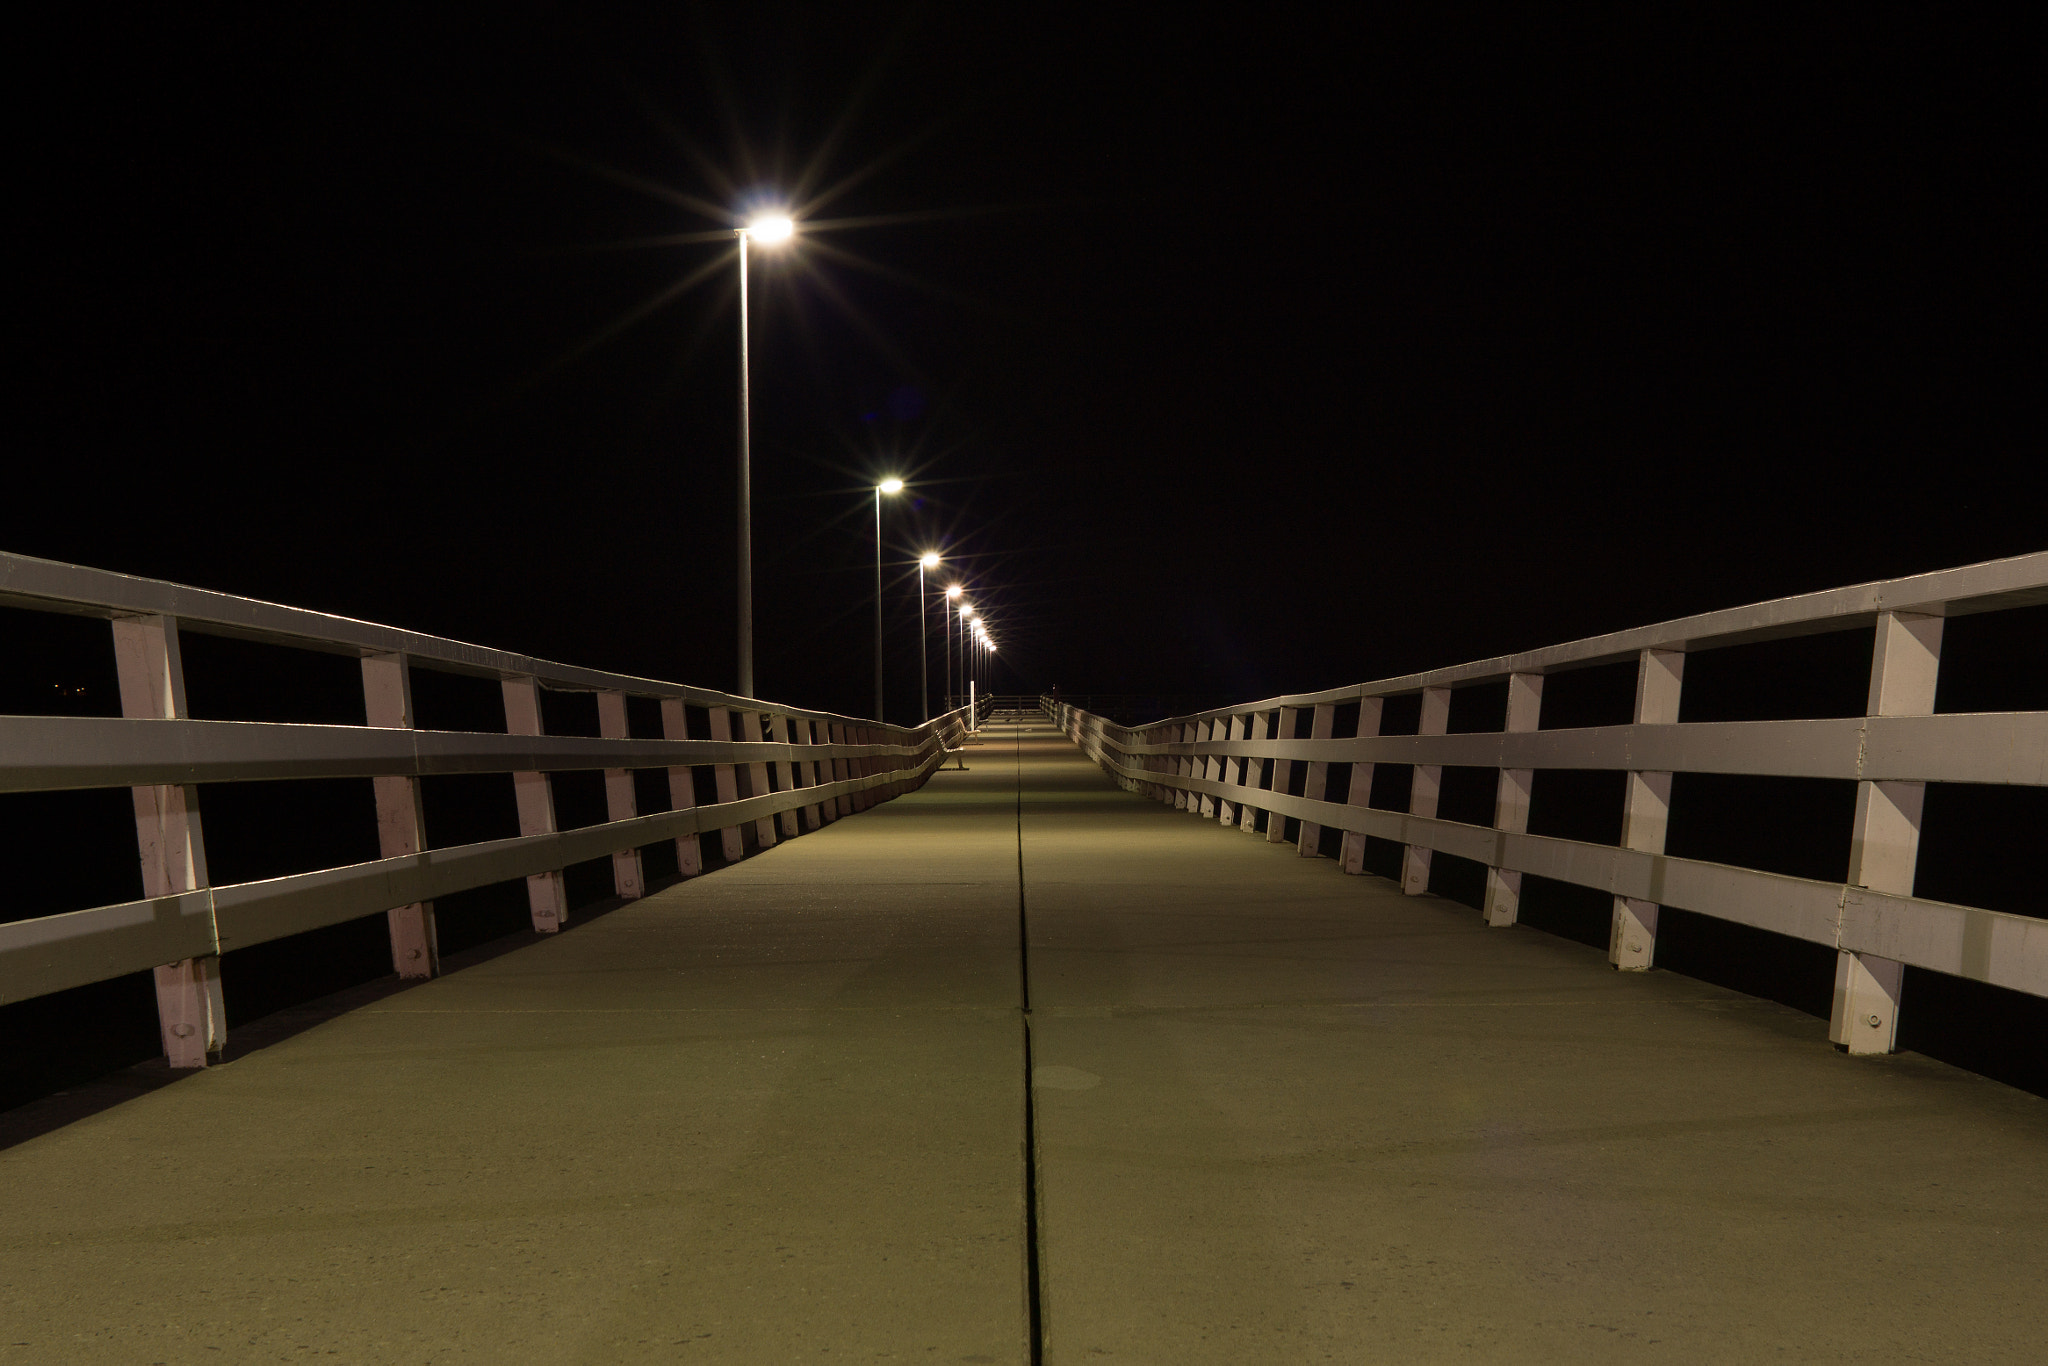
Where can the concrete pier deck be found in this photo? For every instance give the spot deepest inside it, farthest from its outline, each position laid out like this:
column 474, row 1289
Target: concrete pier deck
column 781, row 1112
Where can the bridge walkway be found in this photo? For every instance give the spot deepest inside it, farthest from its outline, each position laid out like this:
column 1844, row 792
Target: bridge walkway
column 1281, row 1114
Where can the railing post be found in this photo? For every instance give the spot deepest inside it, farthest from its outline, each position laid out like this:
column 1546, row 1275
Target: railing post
column 900, row 765
column 726, row 776
column 387, row 704
column 754, row 726
column 895, row 764
column 682, row 786
column 1184, row 767
column 785, row 773
column 620, row 804
column 545, row 896
column 842, row 769
column 1204, row 803
column 1250, row 770
column 1422, row 795
column 1283, row 774
column 866, row 768
column 820, row 813
column 1166, row 765
column 1257, row 727
column 1646, row 813
column 1370, row 709
column 1226, row 767
column 1511, row 799
column 1318, row 783
column 1155, row 763
column 1884, row 851
column 169, row 839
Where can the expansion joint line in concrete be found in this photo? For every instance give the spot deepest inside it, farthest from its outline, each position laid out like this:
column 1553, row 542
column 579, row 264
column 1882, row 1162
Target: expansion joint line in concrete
column 1031, row 1172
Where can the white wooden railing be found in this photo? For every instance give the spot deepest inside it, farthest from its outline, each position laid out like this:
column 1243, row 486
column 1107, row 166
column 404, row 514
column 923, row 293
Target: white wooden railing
column 1211, row 763
column 823, row 767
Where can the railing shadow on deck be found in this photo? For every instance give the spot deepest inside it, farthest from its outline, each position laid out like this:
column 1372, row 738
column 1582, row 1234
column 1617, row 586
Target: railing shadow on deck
column 1285, row 768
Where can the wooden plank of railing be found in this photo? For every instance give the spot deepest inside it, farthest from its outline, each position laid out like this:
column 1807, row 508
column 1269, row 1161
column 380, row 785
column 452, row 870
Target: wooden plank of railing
column 52, row 586
column 817, row 813
column 1311, row 838
column 1424, row 789
column 629, row 879
column 55, row 753
column 1646, row 809
column 546, row 897
column 754, row 726
column 191, row 1012
column 1957, row 747
column 387, row 704
column 1370, row 711
column 1511, row 799
column 682, row 787
column 1884, row 847
column 726, row 778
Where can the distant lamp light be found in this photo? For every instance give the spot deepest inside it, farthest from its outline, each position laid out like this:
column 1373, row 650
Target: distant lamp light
column 773, row 228
column 889, row 486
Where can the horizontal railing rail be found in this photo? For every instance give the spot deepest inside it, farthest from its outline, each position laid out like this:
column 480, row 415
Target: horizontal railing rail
column 1996, row 585
column 53, row 753
column 52, row 586
column 1244, row 766
column 777, row 772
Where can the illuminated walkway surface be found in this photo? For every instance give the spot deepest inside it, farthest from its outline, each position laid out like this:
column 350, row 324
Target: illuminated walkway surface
column 778, row 1113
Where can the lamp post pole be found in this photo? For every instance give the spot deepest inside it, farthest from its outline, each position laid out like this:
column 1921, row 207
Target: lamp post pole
column 924, row 664
column 891, row 486
column 773, row 228
column 952, row 595
column 746, row 496
column 878, row 602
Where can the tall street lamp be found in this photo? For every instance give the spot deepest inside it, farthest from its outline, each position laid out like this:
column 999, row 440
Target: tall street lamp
column 928, row 560
column 886, row 486
column 952, row 594
column 766, row 230
column 981, row 644
column 967, row 615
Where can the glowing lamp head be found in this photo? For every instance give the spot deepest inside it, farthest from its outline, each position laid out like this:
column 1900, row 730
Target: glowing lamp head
column 889, row 486
column 954, row 591
column 930, row 559
column 771, row 229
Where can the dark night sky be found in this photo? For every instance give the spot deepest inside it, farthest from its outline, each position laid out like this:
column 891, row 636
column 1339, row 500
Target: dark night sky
column 1241, row 356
